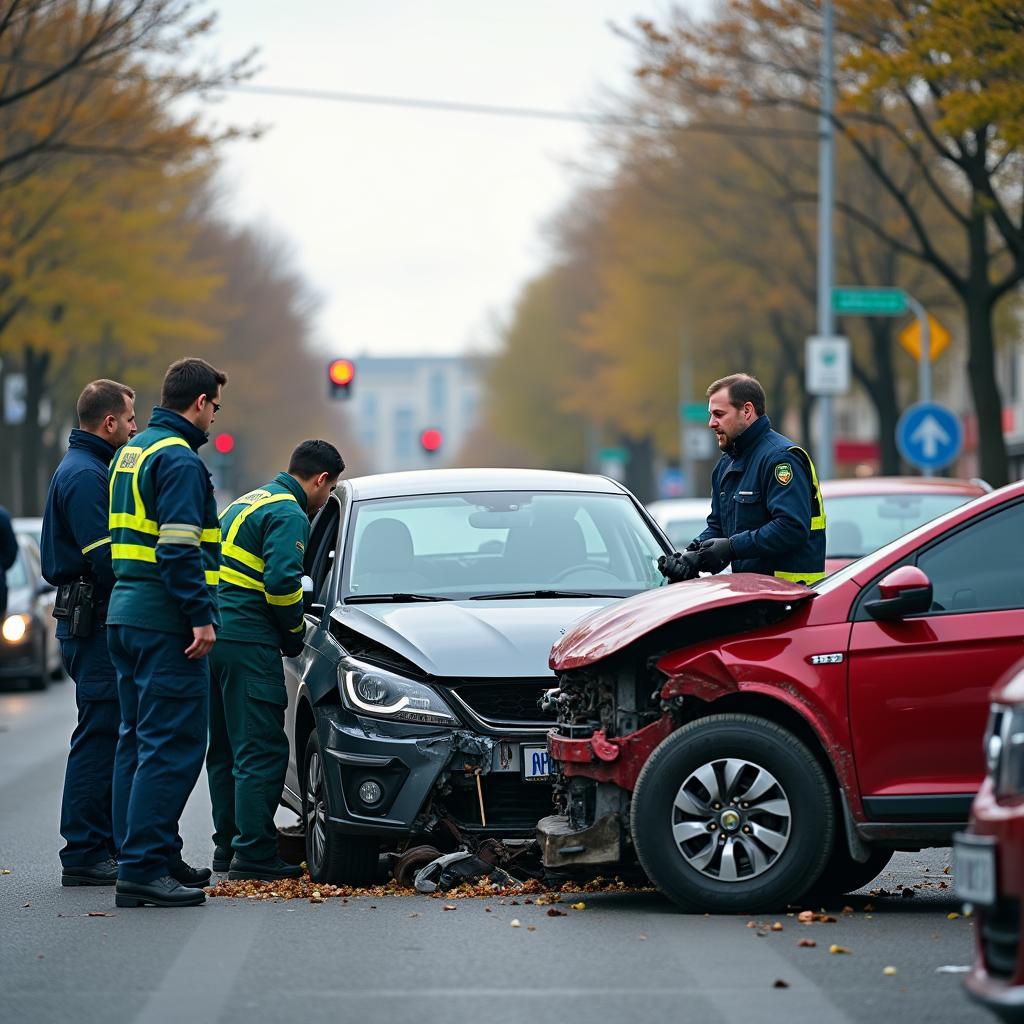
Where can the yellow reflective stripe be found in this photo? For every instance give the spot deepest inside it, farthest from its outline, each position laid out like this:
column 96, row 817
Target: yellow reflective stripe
column 130, row 461
column 800, row 577
column 239, row 554
column 285, row 599
column 818, row 521
column 239, row 579
column 95, row 544
column 300, row 628
column 211, row 535
column 245, row 513
column 212, row 577
column 133, row 552
column 127, row 521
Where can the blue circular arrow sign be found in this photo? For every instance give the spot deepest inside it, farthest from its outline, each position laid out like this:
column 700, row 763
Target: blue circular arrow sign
column 929, row 435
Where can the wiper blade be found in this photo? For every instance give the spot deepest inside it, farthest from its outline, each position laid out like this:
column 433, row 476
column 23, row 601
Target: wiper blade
column 392, row 598
column 510, row 594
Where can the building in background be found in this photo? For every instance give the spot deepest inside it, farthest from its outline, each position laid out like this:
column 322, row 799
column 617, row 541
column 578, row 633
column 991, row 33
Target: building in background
column 414, row 412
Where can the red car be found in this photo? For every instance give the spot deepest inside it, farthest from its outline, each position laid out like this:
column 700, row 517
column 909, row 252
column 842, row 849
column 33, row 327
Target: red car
column 990, row 857
column 863, row 514
column 751, row 741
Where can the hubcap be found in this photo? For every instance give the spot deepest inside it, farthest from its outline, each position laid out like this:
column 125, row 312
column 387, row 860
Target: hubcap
column 316, row 812
column 731, row 820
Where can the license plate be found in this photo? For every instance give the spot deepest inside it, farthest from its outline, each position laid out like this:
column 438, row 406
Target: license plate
column 536, row 765
column 974, row 867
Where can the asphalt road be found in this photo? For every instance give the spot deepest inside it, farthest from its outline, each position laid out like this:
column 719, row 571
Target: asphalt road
column 623, row 958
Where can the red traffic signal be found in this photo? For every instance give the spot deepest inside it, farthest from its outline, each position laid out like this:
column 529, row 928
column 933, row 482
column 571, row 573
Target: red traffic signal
column 224, row 443
column 431, row 439
column 340, row 375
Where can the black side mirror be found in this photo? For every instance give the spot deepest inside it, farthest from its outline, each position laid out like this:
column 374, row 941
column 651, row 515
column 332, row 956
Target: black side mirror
column 906, row 591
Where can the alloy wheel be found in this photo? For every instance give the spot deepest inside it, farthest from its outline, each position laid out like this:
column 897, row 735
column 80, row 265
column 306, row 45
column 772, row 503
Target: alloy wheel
column 315, row 810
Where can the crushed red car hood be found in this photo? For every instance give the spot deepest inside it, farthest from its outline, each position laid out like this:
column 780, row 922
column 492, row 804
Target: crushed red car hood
column 615, row 627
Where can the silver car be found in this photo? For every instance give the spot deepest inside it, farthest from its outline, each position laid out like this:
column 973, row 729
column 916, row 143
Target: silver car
column 414, row 712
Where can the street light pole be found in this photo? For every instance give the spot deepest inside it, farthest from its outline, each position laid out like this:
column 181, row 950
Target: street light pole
column 826, row 259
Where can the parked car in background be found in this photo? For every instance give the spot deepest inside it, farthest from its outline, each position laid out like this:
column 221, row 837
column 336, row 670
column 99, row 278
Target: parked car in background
column 30, row 526
column 414, row 712
column 754, row 742
column 29, row 652
column 681, row 518
column 862, row 515
column 989, row 864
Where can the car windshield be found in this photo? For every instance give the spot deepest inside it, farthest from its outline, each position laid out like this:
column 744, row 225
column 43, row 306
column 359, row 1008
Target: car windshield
column 487, row 543
column 859, row 524
column 16, row 576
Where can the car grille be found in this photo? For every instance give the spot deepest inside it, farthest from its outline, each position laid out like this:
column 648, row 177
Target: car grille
column 510, row 803
column 512, row 703
column 1000, row 937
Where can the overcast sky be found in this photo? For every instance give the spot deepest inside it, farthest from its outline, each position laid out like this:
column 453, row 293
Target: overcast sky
column 416, row 227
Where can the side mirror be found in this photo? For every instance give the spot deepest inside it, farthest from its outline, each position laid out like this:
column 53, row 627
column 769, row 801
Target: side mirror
column 307, row 593
column 905, row 591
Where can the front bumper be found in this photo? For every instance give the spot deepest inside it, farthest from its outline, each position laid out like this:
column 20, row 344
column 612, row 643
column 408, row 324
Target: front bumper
column 422, row 770
column 997, row 978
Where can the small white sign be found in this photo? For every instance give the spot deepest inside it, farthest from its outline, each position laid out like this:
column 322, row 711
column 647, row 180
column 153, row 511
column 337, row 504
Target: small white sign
column 699, row 442
column 828, row 365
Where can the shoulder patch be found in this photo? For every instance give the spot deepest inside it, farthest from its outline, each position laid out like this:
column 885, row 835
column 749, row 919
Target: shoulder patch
column 252, row 497
column 129, row 458
column 784, row 473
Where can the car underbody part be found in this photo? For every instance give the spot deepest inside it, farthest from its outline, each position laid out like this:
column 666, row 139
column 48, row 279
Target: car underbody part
column 453, row 869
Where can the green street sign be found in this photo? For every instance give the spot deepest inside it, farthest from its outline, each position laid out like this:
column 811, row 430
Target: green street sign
column 693, row 412
column 869, row 301
column 613, row 455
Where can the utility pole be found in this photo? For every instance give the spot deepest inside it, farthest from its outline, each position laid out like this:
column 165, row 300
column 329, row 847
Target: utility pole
column 826, row 258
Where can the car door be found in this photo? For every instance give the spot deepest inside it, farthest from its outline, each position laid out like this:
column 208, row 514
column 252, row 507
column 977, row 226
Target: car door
column 318, row 565
column 918, row 686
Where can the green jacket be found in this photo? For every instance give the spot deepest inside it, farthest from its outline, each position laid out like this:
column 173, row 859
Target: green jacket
column 164, row 537
column 263, row 545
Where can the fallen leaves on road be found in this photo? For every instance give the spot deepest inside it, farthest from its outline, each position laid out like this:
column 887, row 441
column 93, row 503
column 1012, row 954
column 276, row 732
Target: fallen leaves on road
column 889, row 971
column 555, row 912
column 807, row 943
column 579, row 906
column 838, row 949
column 514, row 923
column 777, row 926
column 952, row 916
column 779, row 983
column 450, row 906
column 811, row 917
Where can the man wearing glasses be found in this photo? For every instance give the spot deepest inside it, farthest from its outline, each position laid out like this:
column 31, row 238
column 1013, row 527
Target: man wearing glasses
column 161, row 622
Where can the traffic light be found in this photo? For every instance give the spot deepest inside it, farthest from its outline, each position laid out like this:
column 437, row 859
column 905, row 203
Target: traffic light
column 340, row 375
column 430, row 440
column 224, row 443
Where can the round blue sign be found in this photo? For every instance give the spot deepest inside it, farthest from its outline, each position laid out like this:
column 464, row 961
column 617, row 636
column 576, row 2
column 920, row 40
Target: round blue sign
column 929, row 435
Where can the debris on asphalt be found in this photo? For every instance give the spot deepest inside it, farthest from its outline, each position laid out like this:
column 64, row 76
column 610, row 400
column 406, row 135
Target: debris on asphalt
column 779, row 983
column 777, row 926
column 908, row 893
column 953, row 969
column 514, row 923
column 837, row 949
column 450, row 870
column 807, row 943
column 889, row 971
column 952, row 916
column 98, row 913
column 811, row 917
column 555, row 912
column 579, row 906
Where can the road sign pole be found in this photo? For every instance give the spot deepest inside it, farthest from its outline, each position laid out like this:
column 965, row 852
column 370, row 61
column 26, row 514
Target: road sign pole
column 924, row 362
column 826, row 318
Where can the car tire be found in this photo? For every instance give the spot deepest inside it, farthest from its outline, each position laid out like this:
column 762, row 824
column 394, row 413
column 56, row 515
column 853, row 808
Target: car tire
column 331, row 856
column 843, row 874
column 707, row 848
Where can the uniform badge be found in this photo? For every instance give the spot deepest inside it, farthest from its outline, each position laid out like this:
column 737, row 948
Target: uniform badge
column 783, row 473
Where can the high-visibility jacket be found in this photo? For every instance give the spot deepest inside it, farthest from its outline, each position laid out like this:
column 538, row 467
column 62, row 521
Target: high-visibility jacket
column 263, row 545
column 164, row 535
column 765, row 498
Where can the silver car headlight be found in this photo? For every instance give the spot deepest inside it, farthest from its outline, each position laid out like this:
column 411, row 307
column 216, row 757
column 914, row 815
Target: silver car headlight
column 368, row 690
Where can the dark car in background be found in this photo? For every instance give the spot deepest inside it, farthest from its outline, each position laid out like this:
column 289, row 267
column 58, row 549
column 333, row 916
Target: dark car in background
column 990, row 857
column 29, row 653
column 414, row 712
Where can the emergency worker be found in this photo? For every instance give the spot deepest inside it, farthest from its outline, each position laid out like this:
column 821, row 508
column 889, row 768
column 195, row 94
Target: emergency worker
column 263, row 542
column 767, row 515
column 165, row 544
column 75, row 549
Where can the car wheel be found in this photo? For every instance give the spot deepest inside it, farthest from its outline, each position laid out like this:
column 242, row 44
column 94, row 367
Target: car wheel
column 732, row 814
column 331, row 856
column 843, row 874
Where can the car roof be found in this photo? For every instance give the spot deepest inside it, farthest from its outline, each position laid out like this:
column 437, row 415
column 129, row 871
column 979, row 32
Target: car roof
column 455, row 481
column 902, row 485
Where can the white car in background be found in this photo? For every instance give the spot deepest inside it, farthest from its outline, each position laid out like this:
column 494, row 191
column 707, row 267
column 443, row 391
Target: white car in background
column 681, row 518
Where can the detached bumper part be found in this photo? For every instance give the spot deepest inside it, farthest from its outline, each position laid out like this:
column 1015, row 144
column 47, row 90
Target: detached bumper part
column 561, row 846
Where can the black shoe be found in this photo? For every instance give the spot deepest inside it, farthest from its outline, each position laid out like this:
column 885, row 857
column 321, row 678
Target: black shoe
column 188, row 875
column 222, row 858
column 104, row 873
column 162, row 892
column 263, row 870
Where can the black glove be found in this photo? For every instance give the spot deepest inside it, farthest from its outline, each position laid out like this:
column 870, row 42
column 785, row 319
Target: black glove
column 292, row 646
column 714, row 555
column 678, row 566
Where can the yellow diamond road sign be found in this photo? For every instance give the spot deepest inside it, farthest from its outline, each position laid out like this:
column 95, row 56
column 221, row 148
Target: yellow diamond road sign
column 910, row 338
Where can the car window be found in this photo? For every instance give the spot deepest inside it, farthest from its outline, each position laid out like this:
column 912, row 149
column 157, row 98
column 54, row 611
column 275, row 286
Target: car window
column 473, row 544
column 979, row 568
column 858, row 524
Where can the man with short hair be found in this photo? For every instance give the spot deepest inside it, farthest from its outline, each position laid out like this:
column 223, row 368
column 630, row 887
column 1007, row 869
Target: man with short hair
column 75, row 549
column 767, row 514
column 161, row 625
column 263, row 543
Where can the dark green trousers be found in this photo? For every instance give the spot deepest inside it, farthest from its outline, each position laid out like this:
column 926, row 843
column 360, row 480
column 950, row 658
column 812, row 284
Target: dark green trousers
column 248, row 752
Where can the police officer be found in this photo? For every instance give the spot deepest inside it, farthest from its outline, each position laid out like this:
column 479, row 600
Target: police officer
column 263, row 541
column 767, row 514
column 165, row 545
column 75, row 548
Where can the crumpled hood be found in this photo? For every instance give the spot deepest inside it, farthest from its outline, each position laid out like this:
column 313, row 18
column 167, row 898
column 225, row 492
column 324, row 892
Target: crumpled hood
column 614, row 628
column 471, row 639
